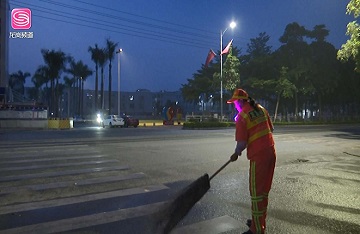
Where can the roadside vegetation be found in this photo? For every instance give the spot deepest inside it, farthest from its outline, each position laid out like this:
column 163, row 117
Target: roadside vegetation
column 217, row 124
column 305, row 74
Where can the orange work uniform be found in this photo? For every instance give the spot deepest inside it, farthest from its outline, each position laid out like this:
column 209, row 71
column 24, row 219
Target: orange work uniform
column 255, row 128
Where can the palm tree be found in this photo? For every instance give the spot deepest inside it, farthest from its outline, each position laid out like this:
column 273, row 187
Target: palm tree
column 84, row 73
column 60, row 88
column 95, row 56
column 17, row 81
column 39, row 79
column 55, row 62
column 74, row 70
column 80, row 72
column 102, row 61
column 110, row 52
column 69, row 82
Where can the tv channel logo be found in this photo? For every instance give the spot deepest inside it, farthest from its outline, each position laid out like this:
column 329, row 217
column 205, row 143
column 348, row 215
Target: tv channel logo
column 21, row 18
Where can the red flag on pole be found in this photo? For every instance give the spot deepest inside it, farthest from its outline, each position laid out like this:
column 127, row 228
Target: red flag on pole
column 210, row 56
column 227, row 48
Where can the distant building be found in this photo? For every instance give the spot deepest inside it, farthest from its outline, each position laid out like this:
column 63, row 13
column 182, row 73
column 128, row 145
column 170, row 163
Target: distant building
column 142, row 102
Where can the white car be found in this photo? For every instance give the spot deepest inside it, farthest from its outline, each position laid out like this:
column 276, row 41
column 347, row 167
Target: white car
column 112, row 121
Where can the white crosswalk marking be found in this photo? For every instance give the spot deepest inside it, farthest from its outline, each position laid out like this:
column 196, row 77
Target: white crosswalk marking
column 78, row 199
column 6, row 190
column 34, row 182
column 88, row 220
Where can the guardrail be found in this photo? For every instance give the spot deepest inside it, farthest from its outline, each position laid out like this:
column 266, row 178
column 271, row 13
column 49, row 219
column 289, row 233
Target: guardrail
column 198, row 118
column 201, row 118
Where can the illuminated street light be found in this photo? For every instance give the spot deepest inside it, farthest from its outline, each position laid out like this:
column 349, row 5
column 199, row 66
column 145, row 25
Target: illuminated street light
column 232, row 25
column 118, row 52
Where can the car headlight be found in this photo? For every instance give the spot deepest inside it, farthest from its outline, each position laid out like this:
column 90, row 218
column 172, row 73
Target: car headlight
column 98, row 118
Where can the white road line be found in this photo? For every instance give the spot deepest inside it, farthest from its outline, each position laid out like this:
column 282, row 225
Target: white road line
column 47, row 166
column 19, row 148
column 87, row 221
column 44, row 153
column 78, row 199
column 7, row 190
column 22, row 160
column 61, row 173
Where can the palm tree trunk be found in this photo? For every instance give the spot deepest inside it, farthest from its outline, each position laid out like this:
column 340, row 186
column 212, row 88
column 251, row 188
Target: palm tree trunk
column 79, row 97
column 96, row 87
column 82, row 98
column 110, row 87
column 52, row 100
column 74, row 103
column 68, row 105
column 102, row 89
column 57, row 99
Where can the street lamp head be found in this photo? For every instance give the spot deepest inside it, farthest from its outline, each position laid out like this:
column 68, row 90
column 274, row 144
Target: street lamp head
column 232, row 24
column 119, row 50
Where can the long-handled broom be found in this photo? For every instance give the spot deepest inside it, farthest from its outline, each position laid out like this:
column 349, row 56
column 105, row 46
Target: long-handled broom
column 168, row 217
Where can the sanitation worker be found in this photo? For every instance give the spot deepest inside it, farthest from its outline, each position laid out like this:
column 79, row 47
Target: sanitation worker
column 254, row 132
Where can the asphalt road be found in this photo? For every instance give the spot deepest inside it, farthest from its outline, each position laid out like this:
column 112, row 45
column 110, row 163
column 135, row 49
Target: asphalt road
column 95, row 180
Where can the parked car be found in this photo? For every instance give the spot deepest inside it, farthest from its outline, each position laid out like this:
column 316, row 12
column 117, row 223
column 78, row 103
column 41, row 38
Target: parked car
column 113, row 121
column 130, row 121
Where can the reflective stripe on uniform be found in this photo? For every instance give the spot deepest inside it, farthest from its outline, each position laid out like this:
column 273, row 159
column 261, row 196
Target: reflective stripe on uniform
column 255, row 209
column 258, row 135
column 250, row 124
column 258, row 198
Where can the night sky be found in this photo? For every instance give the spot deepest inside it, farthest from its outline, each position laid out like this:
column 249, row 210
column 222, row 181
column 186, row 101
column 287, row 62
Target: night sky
column 164, row 42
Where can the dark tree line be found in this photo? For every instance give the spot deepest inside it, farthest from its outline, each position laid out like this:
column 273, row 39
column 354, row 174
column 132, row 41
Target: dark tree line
column 61, row 73
column 302, row 74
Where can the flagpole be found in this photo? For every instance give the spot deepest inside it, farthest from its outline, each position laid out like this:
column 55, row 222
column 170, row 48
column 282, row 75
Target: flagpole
column 232, row 25
column 221, row 73
column 118, row 52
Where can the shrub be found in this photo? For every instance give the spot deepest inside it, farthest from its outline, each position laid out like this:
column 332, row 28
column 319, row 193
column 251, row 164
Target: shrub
column 208, row 125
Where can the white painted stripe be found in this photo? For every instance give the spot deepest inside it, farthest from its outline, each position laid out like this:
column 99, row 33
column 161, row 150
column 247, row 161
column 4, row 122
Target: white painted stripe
column 49, row 159
column 43, row 153
column 78, row 199
column 47, row 166
column 212, row 226
column 50, row 147
column 87, row 221
column 3, row 152
column 45, row 145
column 7, row 190
column 61, row 173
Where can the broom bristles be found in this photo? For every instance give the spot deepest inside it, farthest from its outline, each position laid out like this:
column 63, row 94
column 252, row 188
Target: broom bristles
column 169, row 216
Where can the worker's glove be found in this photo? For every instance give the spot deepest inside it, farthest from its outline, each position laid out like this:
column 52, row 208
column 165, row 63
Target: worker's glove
column 234, row 157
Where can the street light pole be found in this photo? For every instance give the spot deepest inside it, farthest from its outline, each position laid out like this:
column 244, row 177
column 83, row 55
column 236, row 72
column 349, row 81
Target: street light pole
column 118, row 52
column 232, row 25
column 221, row 79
